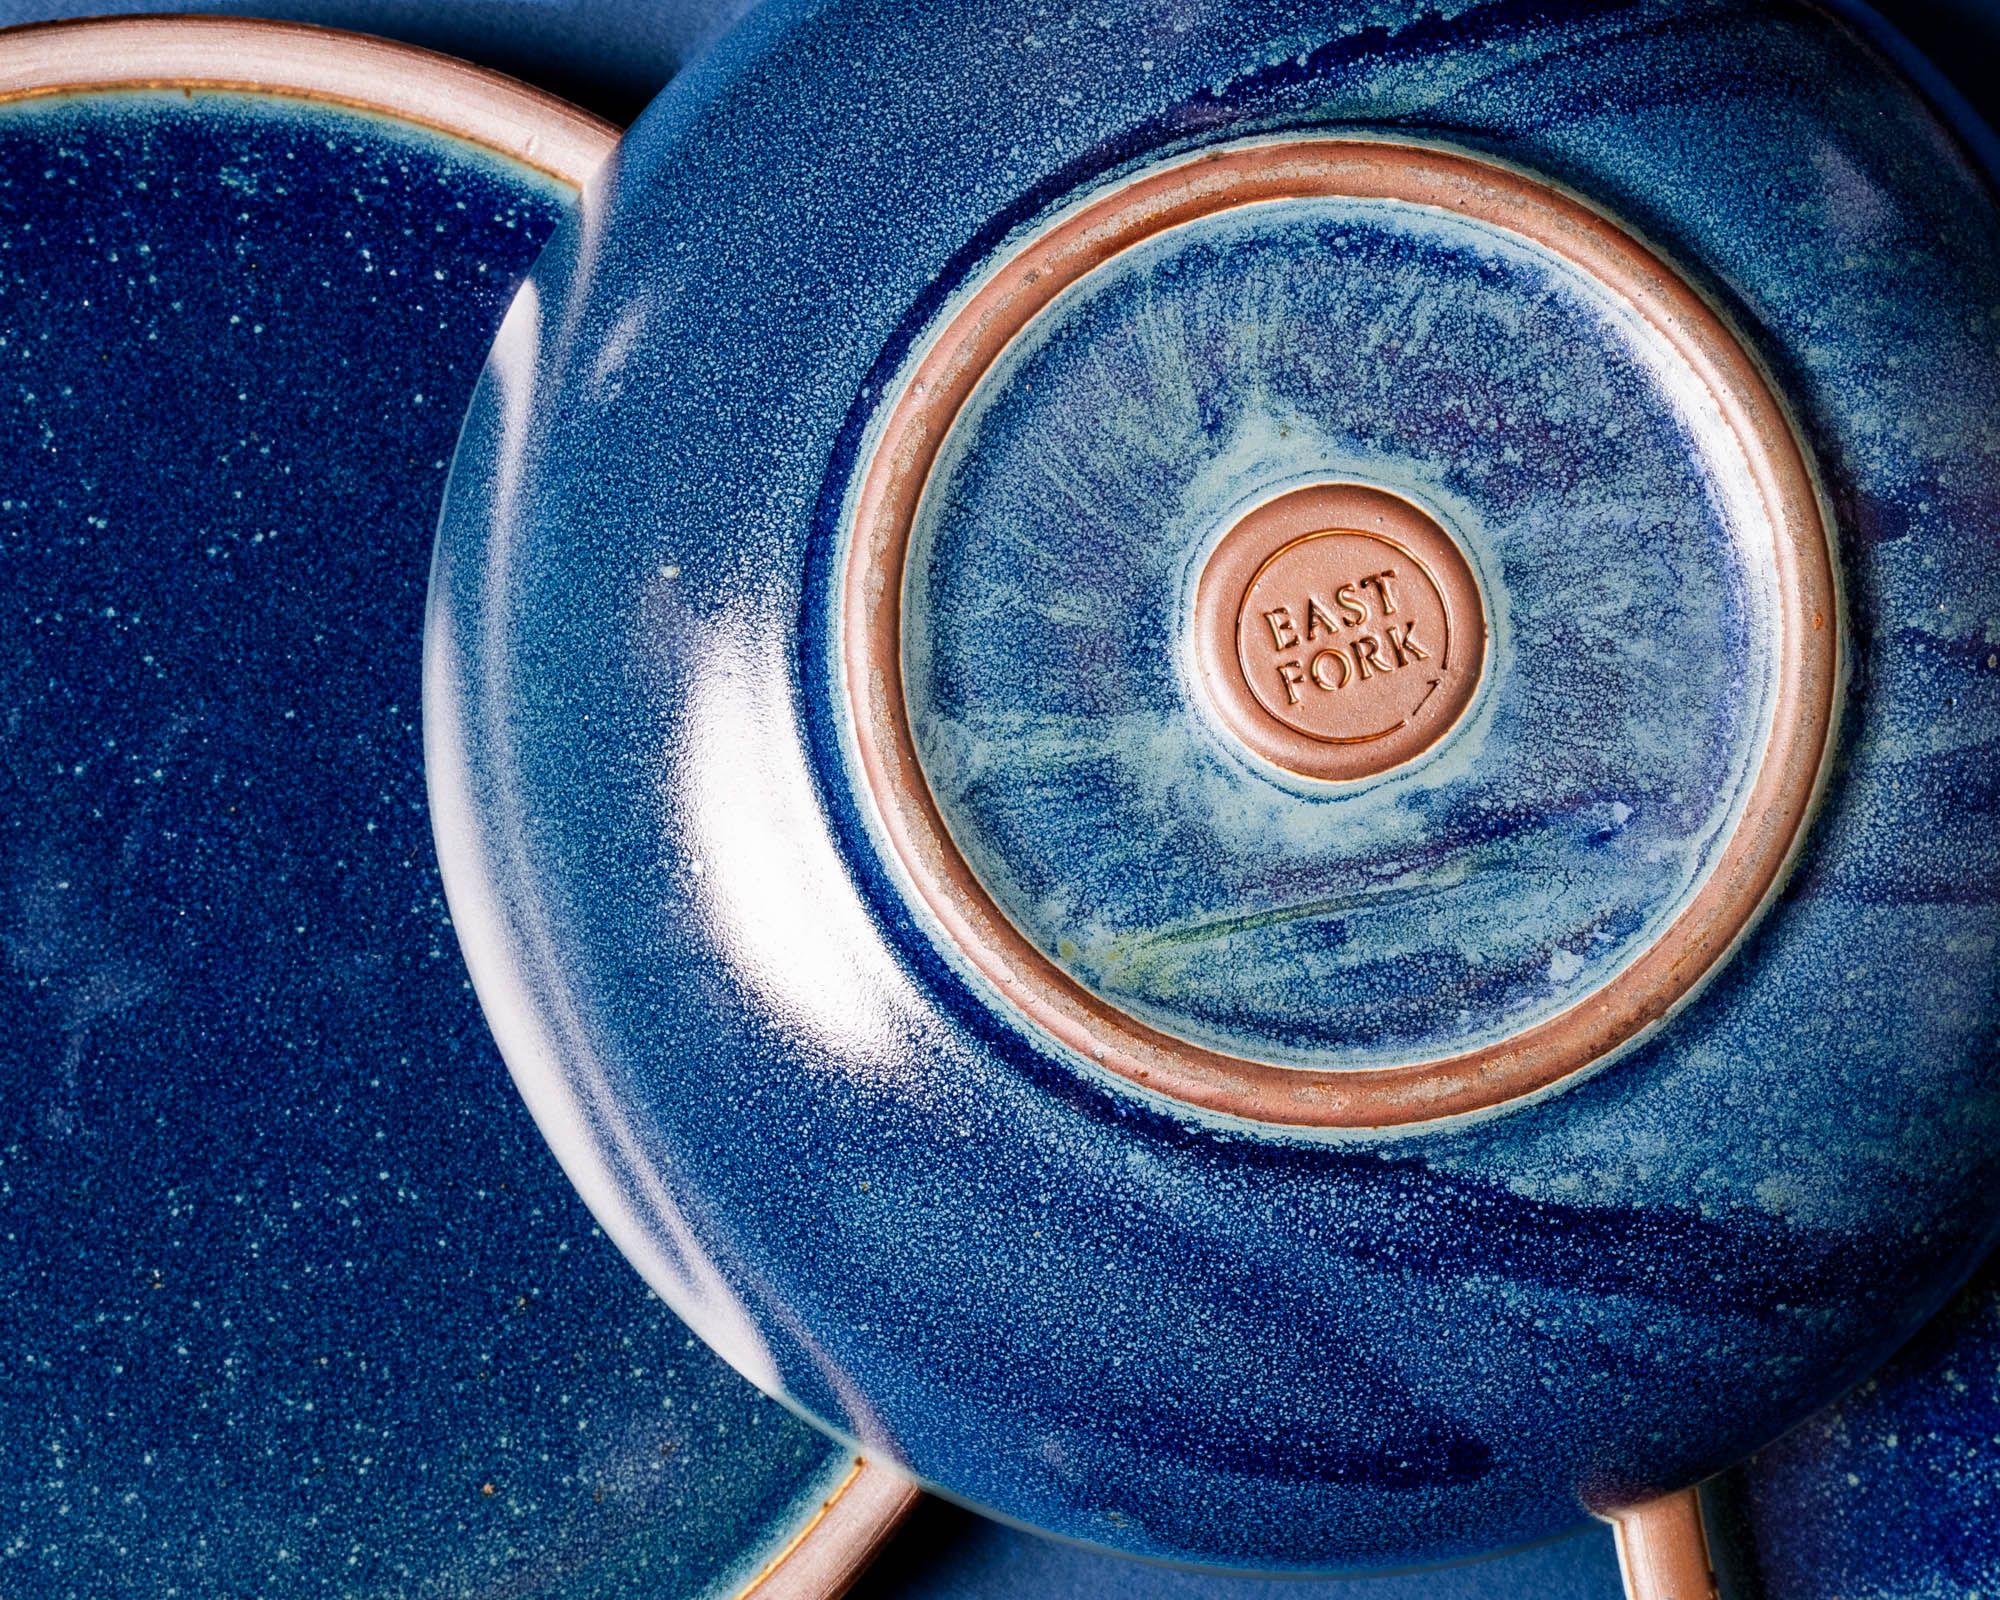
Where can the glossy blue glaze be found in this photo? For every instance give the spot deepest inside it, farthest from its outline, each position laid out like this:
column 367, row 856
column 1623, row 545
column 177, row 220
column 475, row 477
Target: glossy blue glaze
column 1441, row 905
column 1893, row 1493
column 881, row 1193
column 297, row 1301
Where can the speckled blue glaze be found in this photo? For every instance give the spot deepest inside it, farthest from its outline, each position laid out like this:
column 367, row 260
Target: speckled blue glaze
column 297, row 1302
column 1445, row 904
column 880, row 1193
column 1893, row 1493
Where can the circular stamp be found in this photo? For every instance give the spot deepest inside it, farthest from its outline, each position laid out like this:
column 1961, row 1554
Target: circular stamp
column 1339, row 631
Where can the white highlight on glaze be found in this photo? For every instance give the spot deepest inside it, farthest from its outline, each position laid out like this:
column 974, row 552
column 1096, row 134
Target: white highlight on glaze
column 781, row 898
column 538, row 1021
column 776, row 895
column 609, row 364
column 593, row 205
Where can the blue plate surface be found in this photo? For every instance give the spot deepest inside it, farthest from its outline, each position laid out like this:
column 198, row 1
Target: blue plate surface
column 887, row 1192
column 298, row 1301
column 1894, row 1492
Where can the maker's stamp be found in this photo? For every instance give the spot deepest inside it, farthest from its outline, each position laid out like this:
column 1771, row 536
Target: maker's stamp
column 1339, row 631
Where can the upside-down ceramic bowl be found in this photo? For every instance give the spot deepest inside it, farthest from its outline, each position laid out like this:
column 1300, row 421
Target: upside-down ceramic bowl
column 1230, row 770
column 297, row 1302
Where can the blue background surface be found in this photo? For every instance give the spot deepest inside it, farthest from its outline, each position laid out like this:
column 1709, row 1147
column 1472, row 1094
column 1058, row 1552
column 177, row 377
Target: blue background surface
column 298, row 1301
column 1178, row 1337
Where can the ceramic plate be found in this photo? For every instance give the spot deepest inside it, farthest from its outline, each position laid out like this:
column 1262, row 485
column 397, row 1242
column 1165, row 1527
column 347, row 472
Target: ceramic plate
column 299, row 1302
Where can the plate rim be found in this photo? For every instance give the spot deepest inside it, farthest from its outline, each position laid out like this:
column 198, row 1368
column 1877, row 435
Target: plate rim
column 302, row 60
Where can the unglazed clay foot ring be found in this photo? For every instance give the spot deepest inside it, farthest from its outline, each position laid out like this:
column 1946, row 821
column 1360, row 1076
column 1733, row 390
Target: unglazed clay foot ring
column 1303, row 633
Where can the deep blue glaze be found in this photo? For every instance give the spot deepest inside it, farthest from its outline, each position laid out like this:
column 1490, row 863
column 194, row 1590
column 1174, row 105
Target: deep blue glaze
column 866, row 1181
column 297, row 1302
column 1557, row 830
column 1893, row 1493
column 943, row 1553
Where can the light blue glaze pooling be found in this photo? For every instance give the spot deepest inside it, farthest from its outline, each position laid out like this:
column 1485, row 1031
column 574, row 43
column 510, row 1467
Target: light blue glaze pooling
column 1627, row 577
column 296, row 1302
column 884, row 1195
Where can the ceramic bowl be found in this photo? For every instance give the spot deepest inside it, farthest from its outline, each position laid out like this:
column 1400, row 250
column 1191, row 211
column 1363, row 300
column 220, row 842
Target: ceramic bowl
column 1230, row 771
column 299, row 1304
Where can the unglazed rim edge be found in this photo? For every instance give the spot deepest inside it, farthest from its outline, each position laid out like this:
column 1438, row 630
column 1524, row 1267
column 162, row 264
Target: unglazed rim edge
column 1790, row 768
column 296, row 59
column 1663, row 1551
column 539, row 130
column 836, row 1546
